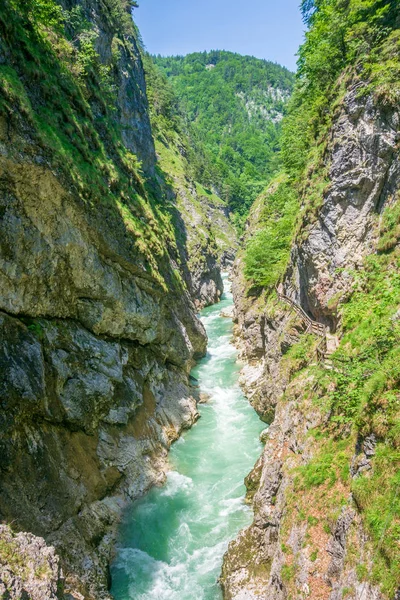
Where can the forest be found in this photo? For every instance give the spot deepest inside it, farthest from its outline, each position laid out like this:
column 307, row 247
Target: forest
column 234, row 106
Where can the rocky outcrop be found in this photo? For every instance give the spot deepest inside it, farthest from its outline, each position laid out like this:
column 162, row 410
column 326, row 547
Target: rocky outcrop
column 29, row 569
column 303, row 542
column 86, row 424
column 263, row 338
column 200, row 222
column 119, row 51
column 364, row 172
column 207, row 238
column 211, row 246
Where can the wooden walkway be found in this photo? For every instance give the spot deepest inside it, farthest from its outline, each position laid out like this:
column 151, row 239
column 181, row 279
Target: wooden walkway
column 329, row 342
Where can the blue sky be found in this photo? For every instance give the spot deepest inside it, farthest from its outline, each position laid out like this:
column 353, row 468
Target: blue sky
column 270, row 29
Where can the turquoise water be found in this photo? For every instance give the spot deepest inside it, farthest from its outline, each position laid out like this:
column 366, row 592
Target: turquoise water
column 172, row 541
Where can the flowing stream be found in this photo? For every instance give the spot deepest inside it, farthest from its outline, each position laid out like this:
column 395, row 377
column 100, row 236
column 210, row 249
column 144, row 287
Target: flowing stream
column 172, row 541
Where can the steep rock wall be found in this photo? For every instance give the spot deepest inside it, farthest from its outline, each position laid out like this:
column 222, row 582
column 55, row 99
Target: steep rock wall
column 121, row 52
column 305, row 542
column 210, row 240
column 364, row 171
column 95, row 358
column 98, row 329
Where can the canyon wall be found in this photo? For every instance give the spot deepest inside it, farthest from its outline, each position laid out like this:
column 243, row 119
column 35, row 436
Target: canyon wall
column 310, row 536
column 97, row 305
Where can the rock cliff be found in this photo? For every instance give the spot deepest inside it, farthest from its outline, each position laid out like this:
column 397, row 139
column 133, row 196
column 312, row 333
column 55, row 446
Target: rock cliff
column 311, row 535
column 98, row 323
column 363, row 176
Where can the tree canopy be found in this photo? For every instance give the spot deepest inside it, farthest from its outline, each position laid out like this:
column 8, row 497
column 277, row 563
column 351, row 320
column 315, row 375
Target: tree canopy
column 234, row 105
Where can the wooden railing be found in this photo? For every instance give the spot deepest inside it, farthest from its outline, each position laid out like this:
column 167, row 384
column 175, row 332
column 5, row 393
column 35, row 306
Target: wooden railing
column 321, row 351
column 319, row 329
column 312, row 326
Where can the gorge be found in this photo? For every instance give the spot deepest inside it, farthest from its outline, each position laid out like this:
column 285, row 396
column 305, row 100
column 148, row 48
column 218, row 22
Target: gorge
column 174, row 539
column 128, row 185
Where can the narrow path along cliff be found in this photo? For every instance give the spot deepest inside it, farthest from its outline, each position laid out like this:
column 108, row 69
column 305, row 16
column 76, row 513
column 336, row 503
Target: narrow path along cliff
column 173, row 540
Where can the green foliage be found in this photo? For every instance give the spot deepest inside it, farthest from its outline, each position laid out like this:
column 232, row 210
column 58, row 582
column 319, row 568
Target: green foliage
column 301, row 350
column 362, row 571
column 378, row 496
column 327, row 528
column 60, row 82
column 40, row 12
column 120, row 13
column 285, row 549
column 182, row 152
column 314, row 555
column 268, row 250
column 358, row 35
column 166, row 115
column 36, row 328
column 288, row 573
column 234, row 104
column 390, row 228
column 369, row 359
column 56, row 79
column 328, row 466
column 366, row 398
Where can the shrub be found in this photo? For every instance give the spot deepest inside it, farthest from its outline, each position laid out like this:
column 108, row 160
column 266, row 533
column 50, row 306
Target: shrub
column 267, row 252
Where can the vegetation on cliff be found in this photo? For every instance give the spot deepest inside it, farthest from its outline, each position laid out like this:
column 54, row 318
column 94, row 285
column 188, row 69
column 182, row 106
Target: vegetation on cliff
column 366, row 398
column 346, row 41
column 360, row 400
column 354, row 43
column 53, row 75
column 268, row 248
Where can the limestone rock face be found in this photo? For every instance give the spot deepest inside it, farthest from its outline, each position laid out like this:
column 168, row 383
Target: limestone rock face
column 95, row 359
column 97, row 335
column 199, row 225
column 262, row 339
column 364, row 177
column 122, row 54
column 29, row 569
column 59, row 260
column 207, row 237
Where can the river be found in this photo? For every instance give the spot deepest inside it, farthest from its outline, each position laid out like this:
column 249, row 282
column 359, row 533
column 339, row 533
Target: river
column 173, row 540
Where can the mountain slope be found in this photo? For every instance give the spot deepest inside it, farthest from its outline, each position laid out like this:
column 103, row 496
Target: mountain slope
column 235, row 105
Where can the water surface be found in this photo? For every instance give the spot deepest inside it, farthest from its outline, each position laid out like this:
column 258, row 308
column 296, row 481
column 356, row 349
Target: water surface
column 172, row 541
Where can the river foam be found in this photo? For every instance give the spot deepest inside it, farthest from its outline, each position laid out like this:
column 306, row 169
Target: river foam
column 172, row 541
